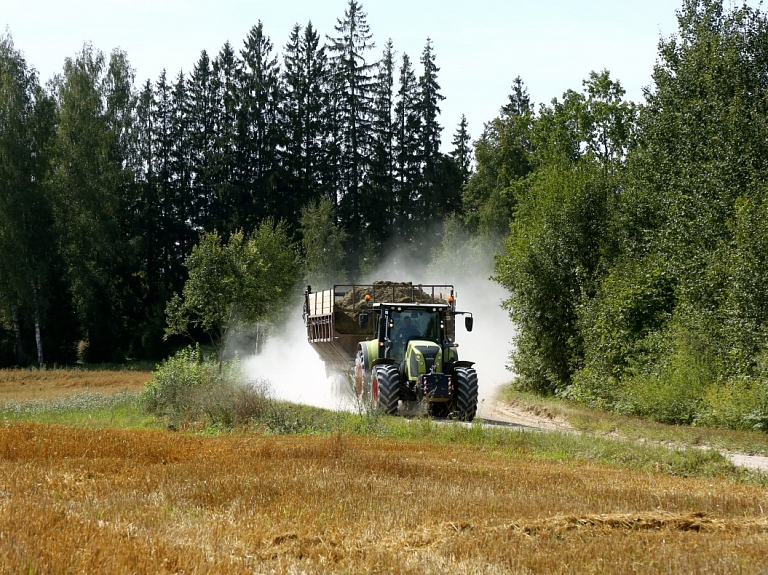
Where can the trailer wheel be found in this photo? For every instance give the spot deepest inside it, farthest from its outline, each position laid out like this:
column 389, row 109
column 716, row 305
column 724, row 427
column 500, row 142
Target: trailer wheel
column 466, row 393
column 386, row 388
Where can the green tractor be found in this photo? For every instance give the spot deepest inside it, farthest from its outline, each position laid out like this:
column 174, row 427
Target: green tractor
column 400, row 337
column 413, row 358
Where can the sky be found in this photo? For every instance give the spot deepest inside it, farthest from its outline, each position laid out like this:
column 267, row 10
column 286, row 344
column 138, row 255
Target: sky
column 480, row 45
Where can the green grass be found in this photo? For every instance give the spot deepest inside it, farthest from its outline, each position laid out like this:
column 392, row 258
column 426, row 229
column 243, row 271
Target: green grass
column 84, row 409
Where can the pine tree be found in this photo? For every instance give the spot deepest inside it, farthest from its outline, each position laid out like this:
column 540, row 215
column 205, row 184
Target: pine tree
column 378, row 195
column 226, row 175
column 406, row 152
column 462, row 150
column 259, row 133
column 353, row 79
column 203, row 110
column 429, row 135
column 305, row 75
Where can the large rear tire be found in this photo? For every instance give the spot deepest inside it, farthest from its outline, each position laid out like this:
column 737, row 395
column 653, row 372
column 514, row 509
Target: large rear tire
column 466, row 393
column 386, row 388
column 360, row 377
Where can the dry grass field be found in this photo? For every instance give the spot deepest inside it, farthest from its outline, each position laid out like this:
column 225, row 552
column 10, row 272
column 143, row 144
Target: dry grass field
column 76, row 500
column 24, row 384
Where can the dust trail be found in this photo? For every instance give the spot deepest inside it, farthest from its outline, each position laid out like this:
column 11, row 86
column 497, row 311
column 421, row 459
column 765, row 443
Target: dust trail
column 297, row 374
column 294, row 370
column 489, row 343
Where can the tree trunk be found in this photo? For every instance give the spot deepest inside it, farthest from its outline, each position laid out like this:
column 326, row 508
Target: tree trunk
column 17, row 335
column 38, row 335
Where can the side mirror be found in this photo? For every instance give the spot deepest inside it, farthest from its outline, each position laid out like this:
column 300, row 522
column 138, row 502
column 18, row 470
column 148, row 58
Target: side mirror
column 469, row 322
column 363, row 320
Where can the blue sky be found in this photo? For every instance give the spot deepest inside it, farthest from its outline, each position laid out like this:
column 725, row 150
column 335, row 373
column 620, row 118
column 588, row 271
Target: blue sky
column 480, row 45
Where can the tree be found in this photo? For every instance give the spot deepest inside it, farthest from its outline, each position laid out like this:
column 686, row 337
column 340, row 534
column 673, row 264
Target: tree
column 305, row 76
column 323, row 245
column 352, row 83
column 260, row 134
column 562, row 236
column 246, row 280
column 377, row 202
column 462, row 150
column 86, row 182
column 504, row 154
column 429, row 98
column 26, row 226
column 406, row 152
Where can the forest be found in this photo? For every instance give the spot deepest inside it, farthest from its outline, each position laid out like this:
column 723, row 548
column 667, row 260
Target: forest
column 632, row 237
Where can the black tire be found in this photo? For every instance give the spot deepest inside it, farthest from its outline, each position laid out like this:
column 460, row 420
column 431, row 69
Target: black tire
column 386, row 388
column 360, row 377
column 466, row 393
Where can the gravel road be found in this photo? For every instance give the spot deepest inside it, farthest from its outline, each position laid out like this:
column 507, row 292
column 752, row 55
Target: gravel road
column 496, row 412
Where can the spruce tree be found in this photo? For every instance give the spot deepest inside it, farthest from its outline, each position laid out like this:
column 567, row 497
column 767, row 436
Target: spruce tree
column 259, row 132
column 353, row 85
column 406, row 152
column 429, row 135
column 462, row 150
column 305, row 74
column 202, row 125
column 378, row 193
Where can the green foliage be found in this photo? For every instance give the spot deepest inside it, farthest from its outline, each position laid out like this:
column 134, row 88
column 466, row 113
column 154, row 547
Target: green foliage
column 503, row 154
column 551, row 265
column 187, row 389
column 248, row 279
column 323, row 245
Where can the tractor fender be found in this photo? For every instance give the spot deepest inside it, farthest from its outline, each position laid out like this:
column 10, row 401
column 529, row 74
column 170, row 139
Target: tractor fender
column 369, row 350
column 463, row 364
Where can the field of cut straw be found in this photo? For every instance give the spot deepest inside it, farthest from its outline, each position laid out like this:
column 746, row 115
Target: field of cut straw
column 40, row 384
column 77, row 500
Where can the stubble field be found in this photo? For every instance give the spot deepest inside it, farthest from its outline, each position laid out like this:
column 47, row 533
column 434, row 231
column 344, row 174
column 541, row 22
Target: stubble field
column 77, row 499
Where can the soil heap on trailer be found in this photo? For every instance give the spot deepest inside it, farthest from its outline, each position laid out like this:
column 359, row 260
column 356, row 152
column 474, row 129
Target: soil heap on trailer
column 397, row 339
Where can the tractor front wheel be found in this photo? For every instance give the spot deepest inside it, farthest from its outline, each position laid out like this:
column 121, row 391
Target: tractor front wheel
column 386, row 388
column 466, row 393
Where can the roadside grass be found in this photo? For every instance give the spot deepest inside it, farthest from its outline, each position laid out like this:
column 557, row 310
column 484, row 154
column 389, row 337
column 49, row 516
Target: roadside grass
column 149, row 501
column 603, row 423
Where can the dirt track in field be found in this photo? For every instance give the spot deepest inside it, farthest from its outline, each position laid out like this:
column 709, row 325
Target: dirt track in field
column 503, row 413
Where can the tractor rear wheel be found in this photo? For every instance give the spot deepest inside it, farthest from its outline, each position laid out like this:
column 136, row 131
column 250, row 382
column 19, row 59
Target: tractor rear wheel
column 466, row 393
column 386, row 388
column 360, row 377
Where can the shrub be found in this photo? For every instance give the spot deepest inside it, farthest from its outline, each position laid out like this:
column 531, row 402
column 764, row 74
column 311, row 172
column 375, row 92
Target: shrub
column 187, row 388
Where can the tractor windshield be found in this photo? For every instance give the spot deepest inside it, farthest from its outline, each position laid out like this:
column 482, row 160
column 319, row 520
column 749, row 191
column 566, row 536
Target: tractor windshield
column 413, row 324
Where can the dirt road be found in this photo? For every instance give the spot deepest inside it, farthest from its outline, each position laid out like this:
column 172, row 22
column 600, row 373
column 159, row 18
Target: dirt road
column 496, row 412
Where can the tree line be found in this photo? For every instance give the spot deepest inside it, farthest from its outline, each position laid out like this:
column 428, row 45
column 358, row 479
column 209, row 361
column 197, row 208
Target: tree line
column 636, row 236
column 106, row 187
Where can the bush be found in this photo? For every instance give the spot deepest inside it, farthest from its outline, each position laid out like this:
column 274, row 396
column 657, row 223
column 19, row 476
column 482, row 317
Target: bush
column 187, row 388
column 738, row 404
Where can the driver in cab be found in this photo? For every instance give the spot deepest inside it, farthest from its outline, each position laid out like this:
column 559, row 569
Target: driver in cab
column 407, row 330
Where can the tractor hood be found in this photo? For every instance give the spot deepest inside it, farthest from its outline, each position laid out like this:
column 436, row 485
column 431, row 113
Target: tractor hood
column 422, row 356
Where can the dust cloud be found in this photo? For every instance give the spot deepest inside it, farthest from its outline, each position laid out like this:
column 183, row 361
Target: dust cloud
column 297, row 374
